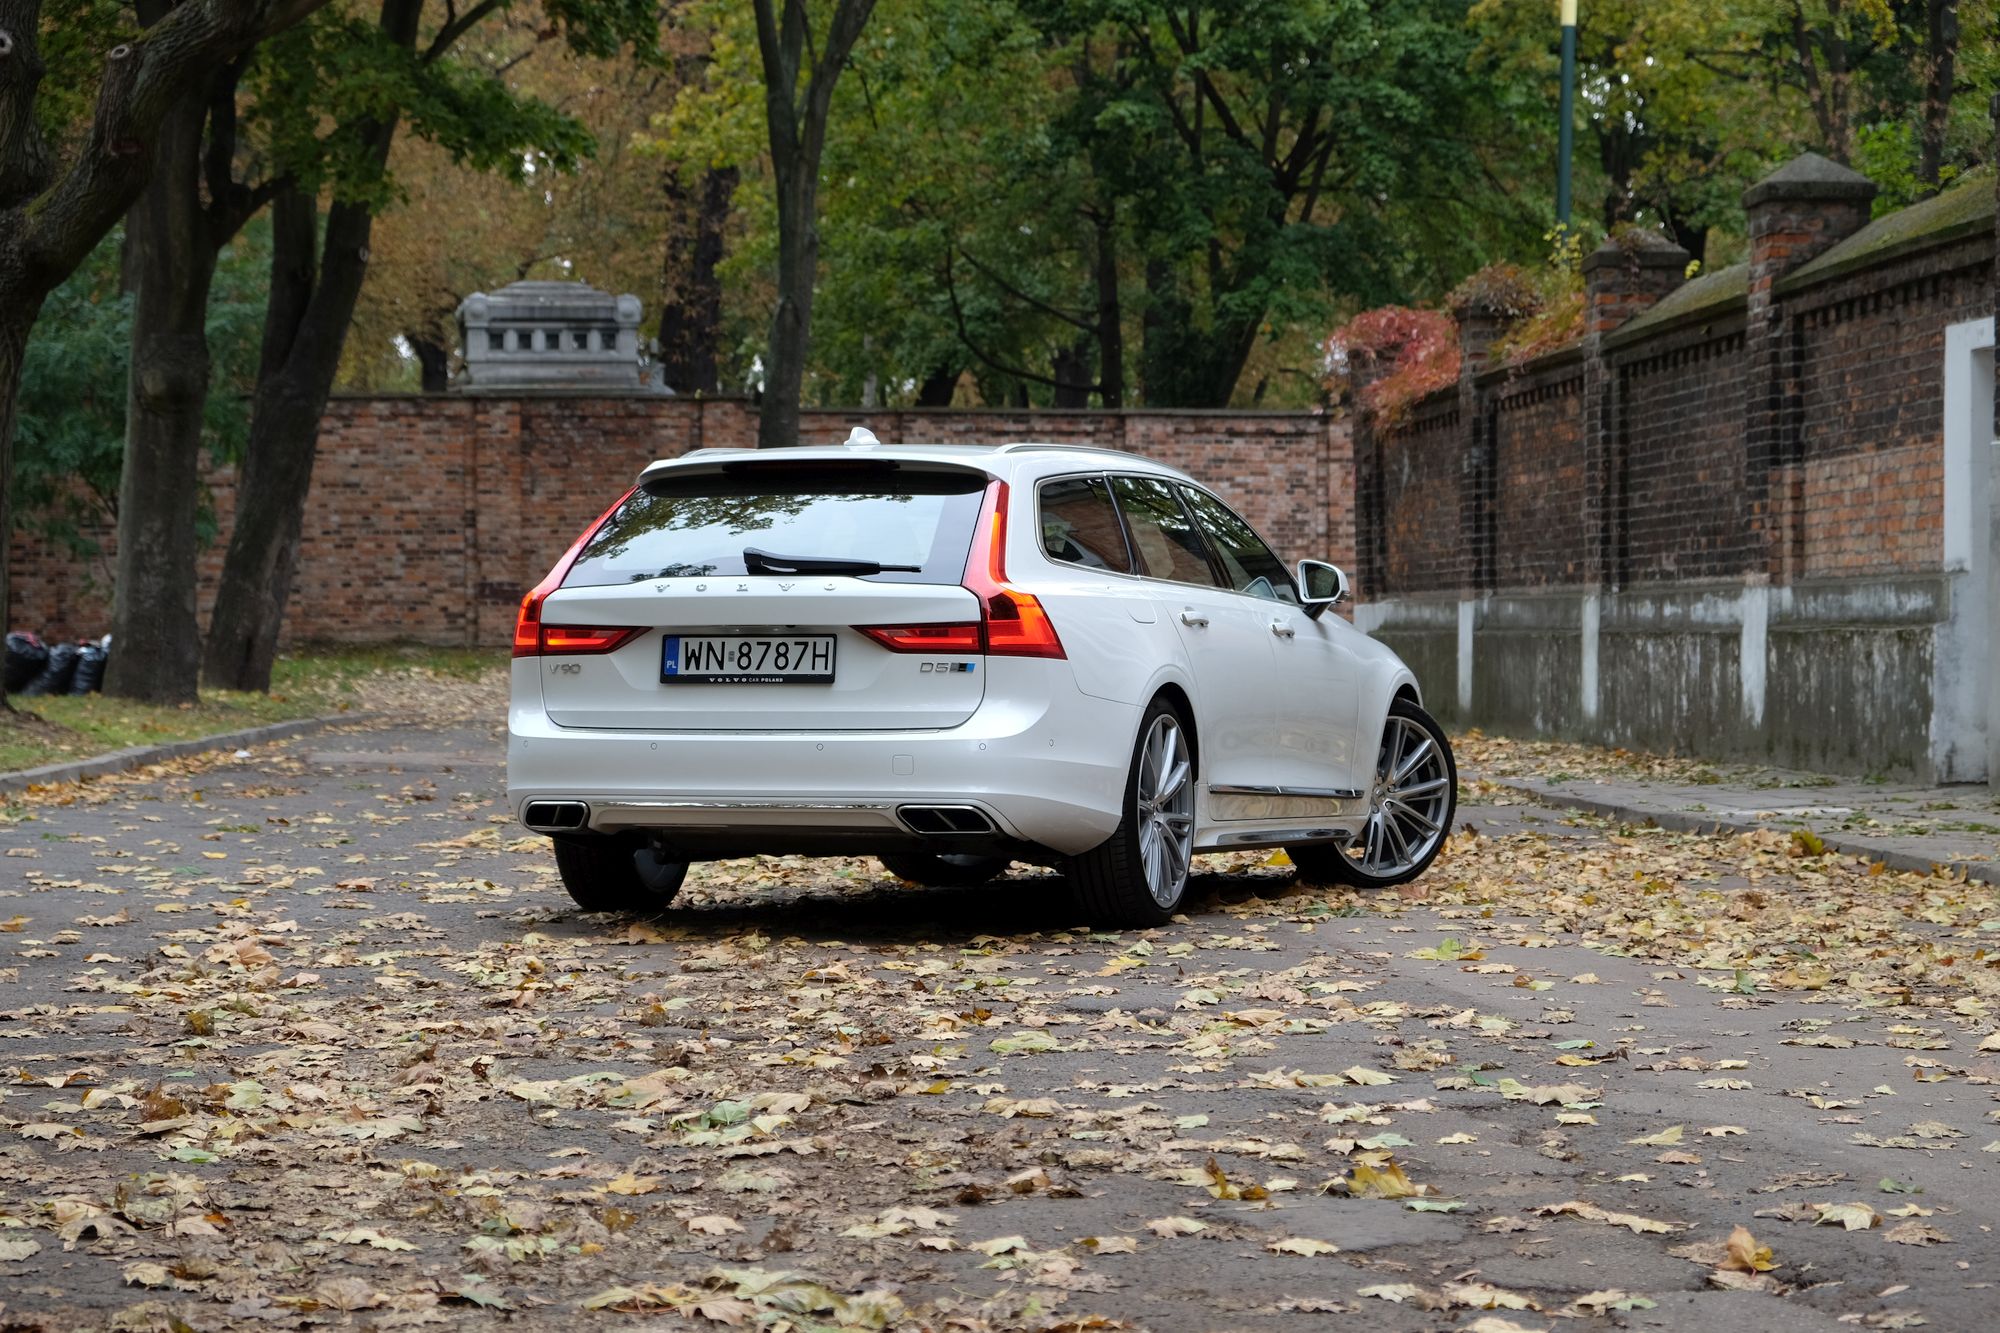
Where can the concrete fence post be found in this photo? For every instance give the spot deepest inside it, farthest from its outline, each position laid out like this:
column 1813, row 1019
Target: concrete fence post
column 1993, row 513
column 1799, row 211
column 1626, row 275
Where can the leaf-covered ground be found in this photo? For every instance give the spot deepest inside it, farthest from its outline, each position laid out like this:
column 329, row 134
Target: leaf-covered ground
column 315, row 1039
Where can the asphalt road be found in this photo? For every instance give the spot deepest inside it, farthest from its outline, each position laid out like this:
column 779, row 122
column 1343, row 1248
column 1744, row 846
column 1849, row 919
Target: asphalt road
column 314, row 1038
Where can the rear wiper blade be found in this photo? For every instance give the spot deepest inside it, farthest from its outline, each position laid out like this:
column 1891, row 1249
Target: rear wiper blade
column 766, row 562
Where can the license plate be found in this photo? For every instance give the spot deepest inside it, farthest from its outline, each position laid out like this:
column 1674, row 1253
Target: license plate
column 747, row 659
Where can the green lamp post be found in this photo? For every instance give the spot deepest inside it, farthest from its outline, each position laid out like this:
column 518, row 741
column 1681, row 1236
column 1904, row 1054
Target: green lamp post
column 1565, row 130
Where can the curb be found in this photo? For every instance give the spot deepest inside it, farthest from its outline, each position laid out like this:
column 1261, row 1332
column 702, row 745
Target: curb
column 123, row 761
column 1681, row 821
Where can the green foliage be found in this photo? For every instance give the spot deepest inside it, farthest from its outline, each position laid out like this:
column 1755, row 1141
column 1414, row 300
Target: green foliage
column 1253, row 169
column 318, row 91
column 70, row 445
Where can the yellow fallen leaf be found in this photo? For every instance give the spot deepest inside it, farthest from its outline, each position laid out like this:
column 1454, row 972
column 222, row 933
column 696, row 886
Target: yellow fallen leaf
column 1666, row 1138
column 1590, row 1212
column 1164, row 1227
column 1370, row 1078
column 366, row 1236
column 1302, row 1245
column 1386, row 1181
column 1850, row 1216
column 1743, row 1254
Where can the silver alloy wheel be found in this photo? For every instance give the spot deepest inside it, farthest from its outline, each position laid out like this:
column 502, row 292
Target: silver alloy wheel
column 1407, row 801
column 1165, row 801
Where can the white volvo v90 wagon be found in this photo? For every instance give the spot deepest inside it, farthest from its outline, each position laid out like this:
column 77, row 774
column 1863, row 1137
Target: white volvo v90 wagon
column 952, row 658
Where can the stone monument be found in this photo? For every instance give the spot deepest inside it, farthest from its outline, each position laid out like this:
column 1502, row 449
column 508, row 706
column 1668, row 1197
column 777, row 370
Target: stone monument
column 544, row 335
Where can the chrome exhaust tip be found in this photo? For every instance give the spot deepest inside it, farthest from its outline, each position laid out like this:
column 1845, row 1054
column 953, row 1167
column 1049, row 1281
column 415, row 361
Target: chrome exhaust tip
column 555, row 816
column 942, row 820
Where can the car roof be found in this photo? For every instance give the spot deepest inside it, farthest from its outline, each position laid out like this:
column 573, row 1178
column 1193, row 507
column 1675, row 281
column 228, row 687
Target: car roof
column 1007, row 459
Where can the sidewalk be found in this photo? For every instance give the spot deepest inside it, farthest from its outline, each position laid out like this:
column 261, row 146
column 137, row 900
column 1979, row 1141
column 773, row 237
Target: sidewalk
column 1906, row 827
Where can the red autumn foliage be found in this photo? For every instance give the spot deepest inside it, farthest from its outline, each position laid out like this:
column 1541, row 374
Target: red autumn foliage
column 1392, row 357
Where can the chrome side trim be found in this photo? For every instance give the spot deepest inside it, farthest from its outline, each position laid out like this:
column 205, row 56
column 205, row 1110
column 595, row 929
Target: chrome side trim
column 1278, row 837
column 1320, row 793
column 750, row 806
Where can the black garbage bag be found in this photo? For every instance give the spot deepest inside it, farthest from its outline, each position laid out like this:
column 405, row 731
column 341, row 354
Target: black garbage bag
column 26, row 656
column 56, row 673
column 89, row 677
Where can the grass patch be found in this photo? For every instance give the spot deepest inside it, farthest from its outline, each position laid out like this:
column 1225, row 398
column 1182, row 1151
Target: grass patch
column 308, row 682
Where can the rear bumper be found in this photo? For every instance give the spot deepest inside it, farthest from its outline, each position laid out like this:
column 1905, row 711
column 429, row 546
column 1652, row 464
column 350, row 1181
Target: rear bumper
column 1050, row 773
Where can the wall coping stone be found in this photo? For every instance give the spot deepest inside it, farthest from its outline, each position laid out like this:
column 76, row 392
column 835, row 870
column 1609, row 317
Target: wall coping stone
column 1555, row 359
column 673, row 402
column 1639, row 247
column 1811, row 176
column 1966, row 209
column 1722, row 291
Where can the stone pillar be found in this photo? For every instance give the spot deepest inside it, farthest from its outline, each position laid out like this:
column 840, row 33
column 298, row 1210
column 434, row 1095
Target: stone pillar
column 1625, row 276
column 1480, row 323
column 1799, row 211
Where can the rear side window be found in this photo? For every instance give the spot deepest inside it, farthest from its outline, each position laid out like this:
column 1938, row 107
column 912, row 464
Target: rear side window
column 1164, row 539
column 1080, row 525
column 1248, row 563
column 683, row 526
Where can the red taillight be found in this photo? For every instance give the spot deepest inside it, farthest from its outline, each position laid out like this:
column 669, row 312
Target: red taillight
column 528, row 635
column 925, row 638
column 587, row 638
column 1015, row 623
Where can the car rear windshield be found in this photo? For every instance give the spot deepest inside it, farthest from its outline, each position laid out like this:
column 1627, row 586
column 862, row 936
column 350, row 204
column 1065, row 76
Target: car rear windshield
column 702, row 522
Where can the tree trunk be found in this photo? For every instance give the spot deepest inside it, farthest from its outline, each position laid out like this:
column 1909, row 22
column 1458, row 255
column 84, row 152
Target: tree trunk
column 1181, row 365
column 304, row 332
column 939, row 387
column 433, row 361
column 691, row 314
column 170, row 262
column 796, row 128
column 18, row 309
column 791, row 321
column 1940, row 65
column 1070, row 369
column 1110, row 317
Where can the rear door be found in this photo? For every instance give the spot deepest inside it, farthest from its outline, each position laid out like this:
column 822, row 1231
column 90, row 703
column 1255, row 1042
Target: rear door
column 1228, row 647
column 1316, row 682
column 744, row 584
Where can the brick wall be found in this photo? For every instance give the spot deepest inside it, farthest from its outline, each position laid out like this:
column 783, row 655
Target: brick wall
column 1413, row 519
column 1678, row 462
column 1716, row 523
column 1868, row 475
column 1782, row 421
column 1536, row 428
column 429, row 515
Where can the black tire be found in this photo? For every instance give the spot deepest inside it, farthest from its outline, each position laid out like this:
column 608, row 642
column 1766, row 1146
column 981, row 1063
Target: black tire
column 612, row 874
column 944, row 870
column 1348, row 864
column 1114, row 883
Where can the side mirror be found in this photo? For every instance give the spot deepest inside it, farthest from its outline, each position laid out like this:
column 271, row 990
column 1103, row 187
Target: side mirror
column 1321, row 585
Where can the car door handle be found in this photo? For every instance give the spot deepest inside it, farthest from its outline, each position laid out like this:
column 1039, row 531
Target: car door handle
column 1282, row 630
column 1189, row 617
